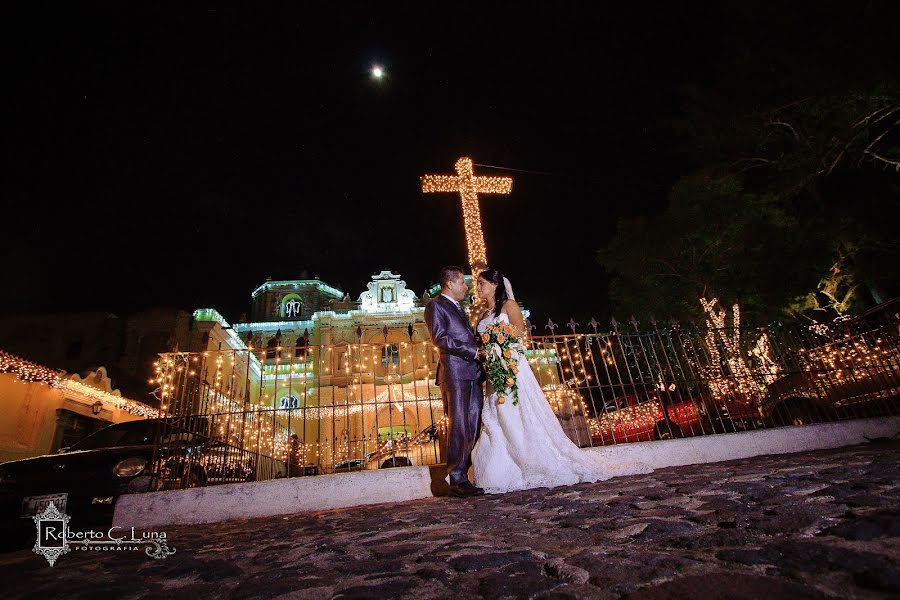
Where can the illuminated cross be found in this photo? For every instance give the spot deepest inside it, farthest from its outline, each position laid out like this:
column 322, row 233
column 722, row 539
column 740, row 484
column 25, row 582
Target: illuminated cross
column 468, row 186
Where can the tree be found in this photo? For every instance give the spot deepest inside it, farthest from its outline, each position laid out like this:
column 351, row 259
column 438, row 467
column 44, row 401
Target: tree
column 714, row 239
column 793, row 200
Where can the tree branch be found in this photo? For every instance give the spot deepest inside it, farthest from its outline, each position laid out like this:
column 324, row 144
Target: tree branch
column 789, row 126
column 891, row 110
column 875, row 155
column 835, row 162
column 788, row 105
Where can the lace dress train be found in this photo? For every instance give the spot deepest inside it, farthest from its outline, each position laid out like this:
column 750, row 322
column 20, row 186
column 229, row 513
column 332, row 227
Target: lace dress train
column 523, row 446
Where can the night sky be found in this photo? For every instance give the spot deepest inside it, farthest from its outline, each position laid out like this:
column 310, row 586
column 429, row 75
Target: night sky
column 164, row 157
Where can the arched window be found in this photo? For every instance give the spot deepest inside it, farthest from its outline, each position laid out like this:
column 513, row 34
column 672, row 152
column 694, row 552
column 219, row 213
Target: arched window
column 390, row 355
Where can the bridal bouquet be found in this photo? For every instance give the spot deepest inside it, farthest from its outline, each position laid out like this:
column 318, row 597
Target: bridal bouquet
column 502, row 351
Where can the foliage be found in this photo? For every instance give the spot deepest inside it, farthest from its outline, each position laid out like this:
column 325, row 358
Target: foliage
column 715, row 238
column 792, row 203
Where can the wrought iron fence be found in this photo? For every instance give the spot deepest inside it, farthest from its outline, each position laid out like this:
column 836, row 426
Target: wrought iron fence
column 254, row 414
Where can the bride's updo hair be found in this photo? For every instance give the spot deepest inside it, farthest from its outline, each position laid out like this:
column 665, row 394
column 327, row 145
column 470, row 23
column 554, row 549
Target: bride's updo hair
column 496, row 277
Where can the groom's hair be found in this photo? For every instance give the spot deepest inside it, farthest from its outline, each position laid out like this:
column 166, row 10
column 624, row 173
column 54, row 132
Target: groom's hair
column 449, row 273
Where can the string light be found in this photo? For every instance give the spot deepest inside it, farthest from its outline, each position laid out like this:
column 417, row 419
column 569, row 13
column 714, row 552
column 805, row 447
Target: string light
column 767, row 368
column 343, row 386
column 262, row 426
column 29, row 372
column 848, row 359
column 259, row 424
column 468, row 186
column 637, row 418
column 820, row 329
column 744, row 380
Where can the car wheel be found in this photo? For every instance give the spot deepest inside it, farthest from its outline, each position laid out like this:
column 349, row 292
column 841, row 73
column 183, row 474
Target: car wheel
column 667, row 432
column 796, row 412
column 730, row 426
column 194, row 478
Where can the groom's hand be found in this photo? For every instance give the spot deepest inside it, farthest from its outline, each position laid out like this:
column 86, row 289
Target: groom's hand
column 481, row 355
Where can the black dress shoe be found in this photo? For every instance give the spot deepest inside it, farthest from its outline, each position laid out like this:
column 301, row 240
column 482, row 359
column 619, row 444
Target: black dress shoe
column 464, row 490
column 476, row 491
column 458, row 491
column 471, row 490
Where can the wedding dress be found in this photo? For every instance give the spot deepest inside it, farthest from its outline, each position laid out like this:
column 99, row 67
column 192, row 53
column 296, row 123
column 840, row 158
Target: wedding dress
column 523, row 446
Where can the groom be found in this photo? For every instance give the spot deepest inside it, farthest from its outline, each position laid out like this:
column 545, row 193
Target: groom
column 459, row 374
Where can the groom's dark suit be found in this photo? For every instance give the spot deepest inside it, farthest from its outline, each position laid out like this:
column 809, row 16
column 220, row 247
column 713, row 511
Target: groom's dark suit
column 460, row 375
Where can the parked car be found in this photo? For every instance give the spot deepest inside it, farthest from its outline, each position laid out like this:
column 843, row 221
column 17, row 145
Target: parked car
column 401, row 451
column 649, row 413
column 396, row 461
column 404, row 451
column 223, row 463
column 86, row 479
column 357, row 464
column 849, row 384
column 305, row 470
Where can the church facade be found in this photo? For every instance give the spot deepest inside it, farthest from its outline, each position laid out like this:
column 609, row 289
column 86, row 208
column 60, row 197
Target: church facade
column 320, row 379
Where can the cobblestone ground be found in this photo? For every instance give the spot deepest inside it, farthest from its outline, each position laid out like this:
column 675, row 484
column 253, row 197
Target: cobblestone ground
column 812, row 525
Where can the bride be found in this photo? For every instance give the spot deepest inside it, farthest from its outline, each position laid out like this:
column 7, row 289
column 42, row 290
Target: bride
column 523, row 446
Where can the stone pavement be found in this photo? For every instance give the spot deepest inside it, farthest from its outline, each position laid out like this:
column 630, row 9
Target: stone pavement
column 812, row 525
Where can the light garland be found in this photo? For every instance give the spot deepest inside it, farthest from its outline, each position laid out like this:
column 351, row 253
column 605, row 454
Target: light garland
column 443, row 424
column 820, row 329
column 559, row 398
column 258, row 435
column 643, row 416
column 294, row 284
column 572, row 362
column 29, row 372
column 259, row 424
column 745, row 380
column 350, row 406
column 767, row 368
column 261, row 427
column 90, row 393
column 367, row 406
column 849, row 359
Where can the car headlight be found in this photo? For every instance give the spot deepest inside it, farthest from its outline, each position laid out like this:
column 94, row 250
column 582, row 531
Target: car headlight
column 129, row 467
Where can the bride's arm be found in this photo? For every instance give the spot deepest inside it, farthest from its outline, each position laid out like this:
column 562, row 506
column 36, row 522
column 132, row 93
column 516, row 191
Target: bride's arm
column 515, row 317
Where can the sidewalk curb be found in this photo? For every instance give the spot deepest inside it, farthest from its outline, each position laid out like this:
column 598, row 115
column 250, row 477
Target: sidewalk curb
column 344, row 490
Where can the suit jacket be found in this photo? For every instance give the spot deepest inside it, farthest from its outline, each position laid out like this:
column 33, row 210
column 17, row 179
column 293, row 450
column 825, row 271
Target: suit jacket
column 452, row 334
